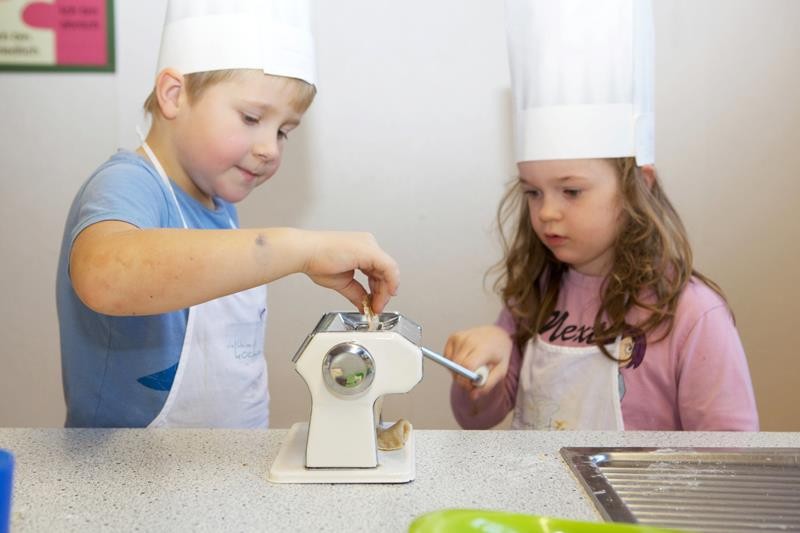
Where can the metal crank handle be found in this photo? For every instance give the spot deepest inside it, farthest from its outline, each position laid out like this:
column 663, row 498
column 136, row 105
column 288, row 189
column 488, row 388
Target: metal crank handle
column 478, row 377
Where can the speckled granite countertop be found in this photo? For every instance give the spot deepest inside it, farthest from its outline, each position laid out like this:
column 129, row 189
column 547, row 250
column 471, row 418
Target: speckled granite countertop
column 216, row 480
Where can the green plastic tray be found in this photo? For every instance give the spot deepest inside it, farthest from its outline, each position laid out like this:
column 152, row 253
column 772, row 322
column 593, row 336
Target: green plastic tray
column 475, row 520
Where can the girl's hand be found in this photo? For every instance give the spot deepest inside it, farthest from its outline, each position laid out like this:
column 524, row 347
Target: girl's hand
column 334, row 258
column 473, row 348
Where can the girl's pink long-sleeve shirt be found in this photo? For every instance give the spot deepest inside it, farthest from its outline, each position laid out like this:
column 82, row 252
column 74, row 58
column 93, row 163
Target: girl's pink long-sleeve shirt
column 695, row 379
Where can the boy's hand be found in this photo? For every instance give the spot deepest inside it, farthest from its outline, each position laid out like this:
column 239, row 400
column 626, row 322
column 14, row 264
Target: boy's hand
column 476, row 347
column 335, row 257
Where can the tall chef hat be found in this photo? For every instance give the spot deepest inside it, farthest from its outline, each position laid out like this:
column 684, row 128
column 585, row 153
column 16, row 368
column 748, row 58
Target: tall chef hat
column 271, row 35
column 582, row 78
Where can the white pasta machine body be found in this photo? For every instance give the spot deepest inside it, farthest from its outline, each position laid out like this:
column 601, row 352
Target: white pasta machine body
column 348, row 367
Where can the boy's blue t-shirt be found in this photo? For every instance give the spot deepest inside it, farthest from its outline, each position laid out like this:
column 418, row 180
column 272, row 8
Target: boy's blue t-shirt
column 117, row 371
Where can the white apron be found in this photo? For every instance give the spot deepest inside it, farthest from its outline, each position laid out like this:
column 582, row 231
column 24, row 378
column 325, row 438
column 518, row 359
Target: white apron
column 563, row 387
column 221, row 380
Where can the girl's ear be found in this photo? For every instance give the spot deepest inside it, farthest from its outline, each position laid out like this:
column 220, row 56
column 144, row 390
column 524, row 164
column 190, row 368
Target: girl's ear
column 649, row 175
column 169, row 92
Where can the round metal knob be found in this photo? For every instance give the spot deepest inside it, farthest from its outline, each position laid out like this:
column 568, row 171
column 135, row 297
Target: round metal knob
column 348, row 369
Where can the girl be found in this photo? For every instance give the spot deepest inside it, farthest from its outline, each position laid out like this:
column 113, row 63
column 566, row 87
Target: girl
column 606, row 323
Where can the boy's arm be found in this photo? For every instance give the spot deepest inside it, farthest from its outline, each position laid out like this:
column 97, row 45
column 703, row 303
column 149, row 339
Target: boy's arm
column 119, row 269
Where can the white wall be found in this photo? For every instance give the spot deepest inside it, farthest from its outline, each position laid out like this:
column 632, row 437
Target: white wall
column 409, row 138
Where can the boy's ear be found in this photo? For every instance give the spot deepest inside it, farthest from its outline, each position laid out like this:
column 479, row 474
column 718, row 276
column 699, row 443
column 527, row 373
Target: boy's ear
column 169, row 92
column 649, row 175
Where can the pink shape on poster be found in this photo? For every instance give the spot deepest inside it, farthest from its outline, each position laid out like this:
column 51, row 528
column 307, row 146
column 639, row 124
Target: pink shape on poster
column 80, row 27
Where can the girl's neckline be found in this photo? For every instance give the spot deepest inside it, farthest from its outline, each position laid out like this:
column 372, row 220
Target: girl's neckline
column 573, row 277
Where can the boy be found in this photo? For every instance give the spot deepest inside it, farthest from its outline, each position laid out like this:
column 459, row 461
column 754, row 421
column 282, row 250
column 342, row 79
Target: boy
column 161, row 299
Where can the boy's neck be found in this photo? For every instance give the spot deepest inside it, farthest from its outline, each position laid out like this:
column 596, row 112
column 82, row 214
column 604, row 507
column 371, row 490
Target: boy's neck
column 163, row 148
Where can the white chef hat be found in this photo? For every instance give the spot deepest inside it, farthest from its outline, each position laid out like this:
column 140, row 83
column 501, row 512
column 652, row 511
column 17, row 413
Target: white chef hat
column 582, row 78
column 271, row 35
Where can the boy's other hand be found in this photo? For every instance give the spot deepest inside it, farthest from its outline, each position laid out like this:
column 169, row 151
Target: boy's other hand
column 335, row 257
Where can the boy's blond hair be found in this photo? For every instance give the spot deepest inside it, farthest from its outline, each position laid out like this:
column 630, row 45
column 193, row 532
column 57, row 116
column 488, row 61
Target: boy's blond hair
column 198, row 82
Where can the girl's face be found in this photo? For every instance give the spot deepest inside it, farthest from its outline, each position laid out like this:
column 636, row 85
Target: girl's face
column 230, row 140
column 575, row 209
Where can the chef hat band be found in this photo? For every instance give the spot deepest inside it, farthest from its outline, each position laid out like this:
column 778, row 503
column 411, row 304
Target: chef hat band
column 582, row 78
column 271, row 35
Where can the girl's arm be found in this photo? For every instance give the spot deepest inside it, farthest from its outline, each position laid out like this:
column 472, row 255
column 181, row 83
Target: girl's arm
column 485, row 408
column 119, row 269
column 715, row 392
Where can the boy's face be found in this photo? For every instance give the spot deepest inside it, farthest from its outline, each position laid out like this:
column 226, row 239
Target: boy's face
column 575, row 209
column 230, row 140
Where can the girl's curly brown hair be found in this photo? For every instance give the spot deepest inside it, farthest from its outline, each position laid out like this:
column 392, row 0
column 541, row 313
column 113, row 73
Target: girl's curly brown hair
column 652, row 263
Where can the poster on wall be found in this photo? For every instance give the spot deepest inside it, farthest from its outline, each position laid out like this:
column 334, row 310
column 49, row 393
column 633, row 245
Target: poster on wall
column 57, row 35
